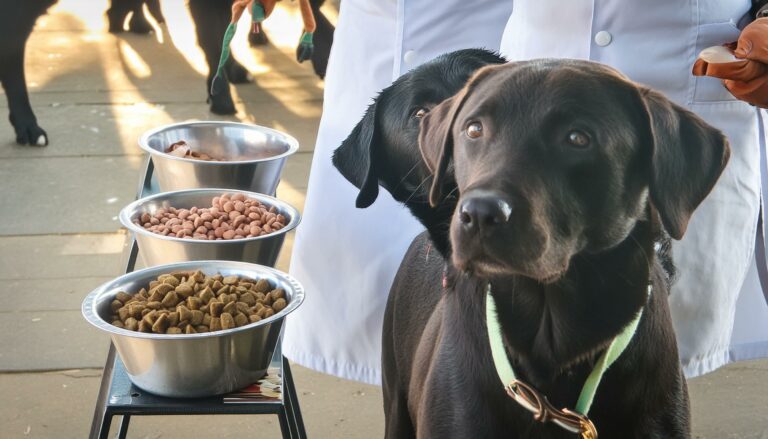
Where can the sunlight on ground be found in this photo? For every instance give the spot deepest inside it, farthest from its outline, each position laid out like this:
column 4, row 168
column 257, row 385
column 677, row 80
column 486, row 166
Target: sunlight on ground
column 133, row 61
column 181, row 33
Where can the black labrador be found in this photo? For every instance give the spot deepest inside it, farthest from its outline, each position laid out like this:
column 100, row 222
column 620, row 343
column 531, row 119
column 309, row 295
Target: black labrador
column 16, row 22
column 382, row 149
column 559, row 211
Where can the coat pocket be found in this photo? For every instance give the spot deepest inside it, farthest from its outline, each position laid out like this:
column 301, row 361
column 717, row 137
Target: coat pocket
column 707, row 89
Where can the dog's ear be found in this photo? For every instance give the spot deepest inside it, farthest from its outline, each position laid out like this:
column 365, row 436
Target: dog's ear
column 688, row 157
column 436, row 141
column 436, row 136
column 355, row 158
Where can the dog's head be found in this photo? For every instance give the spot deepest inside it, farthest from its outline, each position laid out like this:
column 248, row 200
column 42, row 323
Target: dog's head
column 556, row 157
column 383, row 147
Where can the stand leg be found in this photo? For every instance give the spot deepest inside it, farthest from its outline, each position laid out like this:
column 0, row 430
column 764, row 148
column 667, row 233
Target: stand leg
column 145, row 182
column 289, row 413
column 284, row 428
column 134, row 252
column 292, row 402
column 104, row 428
column 123, row 430
column 100, row 419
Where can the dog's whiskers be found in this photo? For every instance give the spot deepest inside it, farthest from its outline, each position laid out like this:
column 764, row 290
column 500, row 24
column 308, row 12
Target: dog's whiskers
column 413, row 168
column 415, row 191
column 456, row 189
column 645, row 255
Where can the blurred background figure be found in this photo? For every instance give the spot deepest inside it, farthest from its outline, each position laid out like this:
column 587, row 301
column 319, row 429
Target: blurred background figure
column 211, row 18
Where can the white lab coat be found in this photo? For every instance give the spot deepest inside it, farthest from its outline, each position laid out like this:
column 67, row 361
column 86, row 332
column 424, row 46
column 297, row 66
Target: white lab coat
column 347, row 257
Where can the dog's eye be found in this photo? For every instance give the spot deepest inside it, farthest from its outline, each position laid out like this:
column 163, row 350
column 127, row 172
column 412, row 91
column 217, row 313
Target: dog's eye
column 419, row 113
column 474, row 130
column 578, row 139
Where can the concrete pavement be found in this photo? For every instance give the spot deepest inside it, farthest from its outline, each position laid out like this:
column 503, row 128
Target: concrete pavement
column 95, row 93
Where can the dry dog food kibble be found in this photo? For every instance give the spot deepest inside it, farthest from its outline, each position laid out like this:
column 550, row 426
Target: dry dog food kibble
column 181, row 149
column 189, row 303
column 229, row 217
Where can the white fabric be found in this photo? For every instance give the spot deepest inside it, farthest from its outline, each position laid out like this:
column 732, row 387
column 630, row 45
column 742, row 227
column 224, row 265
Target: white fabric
column 347, row 257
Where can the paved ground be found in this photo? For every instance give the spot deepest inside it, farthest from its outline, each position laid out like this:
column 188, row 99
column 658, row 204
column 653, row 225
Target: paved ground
column 95, row 93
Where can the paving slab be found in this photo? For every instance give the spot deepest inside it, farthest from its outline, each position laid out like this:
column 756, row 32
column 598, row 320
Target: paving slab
column 61, row 256
column 66, row 195
column 49, row 340
column 729, row 403
column 35, row 295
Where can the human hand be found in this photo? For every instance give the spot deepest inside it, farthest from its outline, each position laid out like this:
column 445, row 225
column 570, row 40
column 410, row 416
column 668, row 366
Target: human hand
column 238, row 6
column 743, row 65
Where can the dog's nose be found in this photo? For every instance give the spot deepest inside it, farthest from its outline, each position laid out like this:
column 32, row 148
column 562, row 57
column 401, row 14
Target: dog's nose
column 484, row 211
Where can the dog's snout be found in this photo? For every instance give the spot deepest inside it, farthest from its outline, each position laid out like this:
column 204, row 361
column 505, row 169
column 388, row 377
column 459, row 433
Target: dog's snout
column 484, row 211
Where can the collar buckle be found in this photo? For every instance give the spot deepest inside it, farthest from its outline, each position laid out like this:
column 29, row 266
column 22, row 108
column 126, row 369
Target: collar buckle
column 543, row 411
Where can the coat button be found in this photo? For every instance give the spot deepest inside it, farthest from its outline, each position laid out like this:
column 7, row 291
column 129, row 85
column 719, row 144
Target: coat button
column 603, row 38
column 409, row 57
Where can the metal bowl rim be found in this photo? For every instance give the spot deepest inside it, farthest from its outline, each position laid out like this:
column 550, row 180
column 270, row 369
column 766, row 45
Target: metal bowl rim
column 125, row 219
column 293, row 144
column 89, row 303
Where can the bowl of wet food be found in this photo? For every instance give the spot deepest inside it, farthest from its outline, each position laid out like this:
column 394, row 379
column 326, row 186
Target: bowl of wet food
column 218, row 154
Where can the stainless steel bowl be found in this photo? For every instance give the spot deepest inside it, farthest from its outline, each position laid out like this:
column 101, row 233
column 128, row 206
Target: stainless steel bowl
column 194, row 365
column 252, row 156
column 156, row 249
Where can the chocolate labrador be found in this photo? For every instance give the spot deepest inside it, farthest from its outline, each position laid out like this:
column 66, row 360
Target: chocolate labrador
column 382, row 149
column 566, row 172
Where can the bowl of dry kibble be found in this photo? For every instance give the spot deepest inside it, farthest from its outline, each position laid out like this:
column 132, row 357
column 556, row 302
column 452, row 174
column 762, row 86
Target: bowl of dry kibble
column 218, row 154
column 196, row 328
column 209, row 224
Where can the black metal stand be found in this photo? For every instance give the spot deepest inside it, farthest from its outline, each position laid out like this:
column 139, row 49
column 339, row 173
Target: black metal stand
column 119, row 397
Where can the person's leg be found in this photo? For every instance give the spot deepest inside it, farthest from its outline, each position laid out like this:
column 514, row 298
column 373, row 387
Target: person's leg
column 211, row 20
